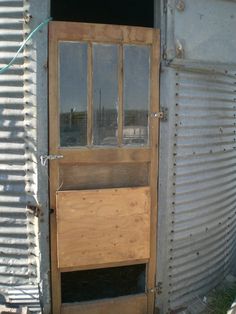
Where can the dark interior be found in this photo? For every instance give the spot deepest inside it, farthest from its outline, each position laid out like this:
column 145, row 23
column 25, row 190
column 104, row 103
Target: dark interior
column 122, row 12
column 88, row 285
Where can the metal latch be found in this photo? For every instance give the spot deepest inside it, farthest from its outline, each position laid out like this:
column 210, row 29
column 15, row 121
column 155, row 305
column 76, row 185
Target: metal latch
column 45, row 158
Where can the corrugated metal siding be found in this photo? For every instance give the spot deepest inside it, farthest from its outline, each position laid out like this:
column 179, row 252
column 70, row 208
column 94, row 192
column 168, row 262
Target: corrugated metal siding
column 198, row 187
column 18, row 228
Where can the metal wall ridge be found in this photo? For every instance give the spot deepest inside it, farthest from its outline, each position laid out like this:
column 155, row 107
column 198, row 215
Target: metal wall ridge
column 202, row 67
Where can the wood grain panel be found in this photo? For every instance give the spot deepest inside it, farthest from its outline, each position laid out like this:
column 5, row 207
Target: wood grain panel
column 102, row 226
column 125, row 305
column 83, row 177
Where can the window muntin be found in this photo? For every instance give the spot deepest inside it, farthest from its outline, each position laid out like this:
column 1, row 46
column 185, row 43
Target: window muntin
column 105, row 65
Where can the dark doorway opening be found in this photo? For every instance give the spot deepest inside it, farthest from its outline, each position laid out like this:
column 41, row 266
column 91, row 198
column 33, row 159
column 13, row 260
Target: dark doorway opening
column 88, row 285
column 122, row 12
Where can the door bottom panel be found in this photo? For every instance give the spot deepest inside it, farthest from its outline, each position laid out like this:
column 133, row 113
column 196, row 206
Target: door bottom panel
column 125, row 305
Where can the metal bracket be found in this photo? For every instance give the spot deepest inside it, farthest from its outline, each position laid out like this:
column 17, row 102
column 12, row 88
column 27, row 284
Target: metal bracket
column 35, row 209
column 45, row 158
column 158, row 115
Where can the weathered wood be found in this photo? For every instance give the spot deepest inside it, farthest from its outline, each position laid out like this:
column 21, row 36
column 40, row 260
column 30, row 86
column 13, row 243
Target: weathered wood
column 154, row 141
column 102, row 226
column 125, row 305
column 103, row 33
column 104, row 155
column 83, row 177
column 105, row 265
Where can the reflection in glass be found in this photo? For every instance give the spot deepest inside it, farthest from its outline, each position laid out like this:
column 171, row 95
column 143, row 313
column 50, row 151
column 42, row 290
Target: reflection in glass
column 105, row 94
column 73, row 93
column 136, row 94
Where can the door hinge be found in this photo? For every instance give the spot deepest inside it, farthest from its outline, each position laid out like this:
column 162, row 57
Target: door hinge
column 161, row 114
column 45, row 158
column 158, row 289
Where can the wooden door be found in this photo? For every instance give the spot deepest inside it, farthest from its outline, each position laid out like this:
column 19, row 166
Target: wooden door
column 103, row 113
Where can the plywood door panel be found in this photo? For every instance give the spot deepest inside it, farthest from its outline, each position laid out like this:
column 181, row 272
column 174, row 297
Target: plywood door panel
column 103, row 226
column 125, row 305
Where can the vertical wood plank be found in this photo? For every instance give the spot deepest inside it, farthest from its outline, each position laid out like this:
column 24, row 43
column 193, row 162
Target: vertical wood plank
column 53, row 167
column 154, row 142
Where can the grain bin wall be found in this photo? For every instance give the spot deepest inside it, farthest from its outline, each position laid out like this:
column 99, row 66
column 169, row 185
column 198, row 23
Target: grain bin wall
column 197, row 203
column 23, row 107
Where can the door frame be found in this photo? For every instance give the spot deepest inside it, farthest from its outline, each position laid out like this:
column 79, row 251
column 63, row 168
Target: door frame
column 71, row 31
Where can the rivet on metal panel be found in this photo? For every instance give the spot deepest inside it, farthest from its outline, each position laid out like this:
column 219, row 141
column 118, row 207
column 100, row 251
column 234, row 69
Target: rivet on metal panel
column 180, row 5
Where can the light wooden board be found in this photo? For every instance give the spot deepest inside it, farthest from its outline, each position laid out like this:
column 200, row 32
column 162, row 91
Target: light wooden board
column 83, row 177
column 154, row 141
column 126, row 305
column 104, row 155
column 101, row 33
column 102, row 226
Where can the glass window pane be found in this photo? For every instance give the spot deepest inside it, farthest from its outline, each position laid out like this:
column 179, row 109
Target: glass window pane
column 105, row 94
column 73, row 93
column 136, row 94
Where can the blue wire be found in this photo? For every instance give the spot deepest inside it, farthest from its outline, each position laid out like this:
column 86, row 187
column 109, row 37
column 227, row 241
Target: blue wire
column 41, row 25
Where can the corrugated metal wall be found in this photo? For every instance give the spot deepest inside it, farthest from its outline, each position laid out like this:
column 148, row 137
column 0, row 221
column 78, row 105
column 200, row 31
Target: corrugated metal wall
column 16, row 247
column 197, row 195
column 200, row 199
column 20, row 273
